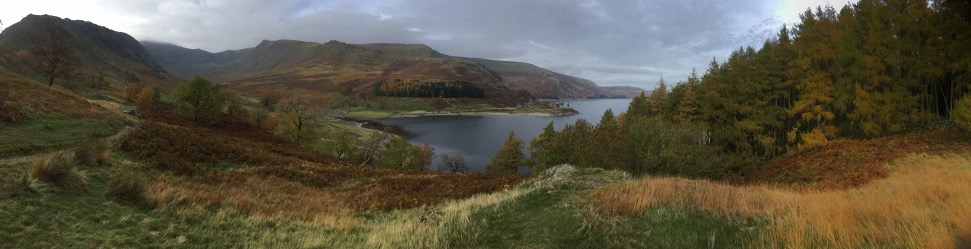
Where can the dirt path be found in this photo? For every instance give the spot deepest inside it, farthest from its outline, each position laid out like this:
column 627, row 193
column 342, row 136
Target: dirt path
column 112, row 140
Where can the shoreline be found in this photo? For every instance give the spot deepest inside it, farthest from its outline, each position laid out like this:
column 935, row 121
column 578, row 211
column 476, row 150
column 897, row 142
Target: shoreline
column 378, row 115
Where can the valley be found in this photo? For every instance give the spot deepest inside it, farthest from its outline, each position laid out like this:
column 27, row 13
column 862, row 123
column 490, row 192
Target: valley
column 850, row 128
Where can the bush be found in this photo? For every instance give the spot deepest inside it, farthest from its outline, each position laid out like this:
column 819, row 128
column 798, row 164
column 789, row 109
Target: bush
column 126, row 187
column 962, row 113
column 199, row 98
column 59, row 169
column 91, row 153
column 664, row 148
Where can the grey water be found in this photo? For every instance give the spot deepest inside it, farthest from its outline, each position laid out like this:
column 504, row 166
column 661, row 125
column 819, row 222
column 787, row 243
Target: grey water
column 479, row 137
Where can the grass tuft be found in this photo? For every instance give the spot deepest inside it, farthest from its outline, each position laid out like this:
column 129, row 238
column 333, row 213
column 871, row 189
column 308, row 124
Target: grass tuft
column 92, row 153
column 60, row 170
column 127, row 187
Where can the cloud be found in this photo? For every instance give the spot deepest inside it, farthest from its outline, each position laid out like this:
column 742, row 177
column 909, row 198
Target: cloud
column 610, row 42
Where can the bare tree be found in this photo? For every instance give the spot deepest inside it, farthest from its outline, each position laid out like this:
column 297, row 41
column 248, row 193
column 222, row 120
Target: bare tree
column 300, row 113
column 52, row 54
column 453, row 161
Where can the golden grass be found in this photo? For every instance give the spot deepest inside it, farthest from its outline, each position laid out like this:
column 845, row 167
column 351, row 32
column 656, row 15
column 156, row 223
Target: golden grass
column 925, row 203
column 267, row 196
column 59, row 169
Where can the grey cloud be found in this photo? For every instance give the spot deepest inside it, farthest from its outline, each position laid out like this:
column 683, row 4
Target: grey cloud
column 609, row 42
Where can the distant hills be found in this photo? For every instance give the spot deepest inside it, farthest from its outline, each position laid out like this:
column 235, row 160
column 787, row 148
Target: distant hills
column 352, row 69
column 293, row 67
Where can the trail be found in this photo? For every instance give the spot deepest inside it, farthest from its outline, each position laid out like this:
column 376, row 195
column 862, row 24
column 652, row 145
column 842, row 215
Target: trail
column 112, row 140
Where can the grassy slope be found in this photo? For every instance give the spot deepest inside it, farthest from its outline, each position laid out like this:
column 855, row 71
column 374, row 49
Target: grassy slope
column 523, row 217
column 47, row 118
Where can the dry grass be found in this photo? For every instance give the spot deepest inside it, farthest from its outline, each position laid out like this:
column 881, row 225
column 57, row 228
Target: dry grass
column 60, row 170
column 925, row 203
column 23, row 98
column 92, row 152
column 235, row 165
column 852, row 163
column 127, row 187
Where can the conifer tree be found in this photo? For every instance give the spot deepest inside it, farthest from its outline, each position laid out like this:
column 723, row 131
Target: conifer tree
column 689, row 107
column 509, row 157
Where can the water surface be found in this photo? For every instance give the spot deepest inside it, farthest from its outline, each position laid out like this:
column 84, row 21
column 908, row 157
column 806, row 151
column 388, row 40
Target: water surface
column 480, row 137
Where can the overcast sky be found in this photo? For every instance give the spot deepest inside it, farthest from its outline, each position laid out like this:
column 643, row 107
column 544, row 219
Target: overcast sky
column 612, row 42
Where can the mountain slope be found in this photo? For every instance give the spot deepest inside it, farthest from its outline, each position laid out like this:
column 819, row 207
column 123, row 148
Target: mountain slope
column 353, row 70
column 292, row 67
column 116, row 56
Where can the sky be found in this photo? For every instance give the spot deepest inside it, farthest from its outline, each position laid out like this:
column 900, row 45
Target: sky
column 612, row 42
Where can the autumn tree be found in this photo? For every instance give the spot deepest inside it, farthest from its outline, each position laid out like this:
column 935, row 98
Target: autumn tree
column 509, row 157
column 300, row 114
column 658, row 99
column 689, row 108
column 146, row 98
column 52, row 52
column 199, row 98
column 454, row 162
column 130, row 92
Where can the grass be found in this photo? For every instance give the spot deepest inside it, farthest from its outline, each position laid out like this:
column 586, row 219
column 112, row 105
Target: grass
column 368, row 115
column 51, row 133
column 235, row 165
column 853, row 163
column 59, row 169
column 905, row 209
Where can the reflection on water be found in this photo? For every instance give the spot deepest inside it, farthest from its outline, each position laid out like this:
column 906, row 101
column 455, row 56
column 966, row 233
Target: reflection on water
column 480, row 137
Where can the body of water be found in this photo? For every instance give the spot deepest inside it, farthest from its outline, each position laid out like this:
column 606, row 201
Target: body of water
column 478, row 137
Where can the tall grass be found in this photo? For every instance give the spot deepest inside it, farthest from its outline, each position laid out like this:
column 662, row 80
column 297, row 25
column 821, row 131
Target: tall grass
column 60, row 170
column 925, row 203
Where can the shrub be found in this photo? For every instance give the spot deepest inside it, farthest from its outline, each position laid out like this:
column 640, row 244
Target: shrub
column 962, row 113
column 126, row 187
column 91, row 153
column 198, row 98
column 59, row 169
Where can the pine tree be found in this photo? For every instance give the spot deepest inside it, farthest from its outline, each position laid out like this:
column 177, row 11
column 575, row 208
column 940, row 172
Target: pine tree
column 688, row 109
column 658, row 99
column 509, row 157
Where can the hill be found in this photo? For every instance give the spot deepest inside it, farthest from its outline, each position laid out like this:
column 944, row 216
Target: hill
column 352, row 70
column 106, row 56
column 546, row 84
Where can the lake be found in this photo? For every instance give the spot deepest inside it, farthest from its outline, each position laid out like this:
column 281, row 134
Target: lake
column 479, row 137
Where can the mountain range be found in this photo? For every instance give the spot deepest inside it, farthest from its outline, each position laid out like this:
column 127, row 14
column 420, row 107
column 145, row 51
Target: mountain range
column 292, row 67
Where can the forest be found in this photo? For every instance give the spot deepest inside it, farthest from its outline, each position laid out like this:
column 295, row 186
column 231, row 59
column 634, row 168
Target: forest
column 417, row 88
column 870, row 69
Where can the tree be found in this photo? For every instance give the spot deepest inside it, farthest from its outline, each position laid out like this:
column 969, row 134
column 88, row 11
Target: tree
column 398, row 154
column 689, row 108
column 198, row 98
column 146, row 98
column 269, row 101
column 52, row 53
column 424, row 157
column 454, row 162
column 301, row 115
column 130, row 93
column 962, row 113
column 546, row 150
column 344, row 144
column 658, row 99
column 509, row 157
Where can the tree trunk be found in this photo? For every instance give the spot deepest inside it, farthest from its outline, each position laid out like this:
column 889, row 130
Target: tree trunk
column 50, row 81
